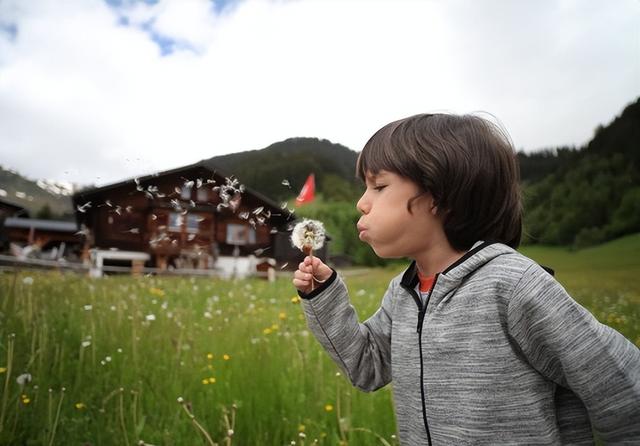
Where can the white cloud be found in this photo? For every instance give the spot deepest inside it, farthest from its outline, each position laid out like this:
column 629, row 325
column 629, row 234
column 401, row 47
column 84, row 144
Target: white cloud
column 84, row 91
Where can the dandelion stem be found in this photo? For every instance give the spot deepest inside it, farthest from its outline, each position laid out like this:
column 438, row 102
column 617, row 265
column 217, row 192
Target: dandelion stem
column 122, row 424
column 55, row 423
column 198, row 426
column 5, row 393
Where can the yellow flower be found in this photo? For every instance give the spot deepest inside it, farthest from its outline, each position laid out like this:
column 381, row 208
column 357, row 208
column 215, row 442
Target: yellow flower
column 274, row 327
column 205, row 381
column 156, row 292
column 328, row 407
column 25, row 400
column 212, row 380
column 226, row 357
column 301, row 428
column 209, row 356
column 80, row 406
column 3, row 369
column 282, row 316
column 295, row 300
column 267, row 331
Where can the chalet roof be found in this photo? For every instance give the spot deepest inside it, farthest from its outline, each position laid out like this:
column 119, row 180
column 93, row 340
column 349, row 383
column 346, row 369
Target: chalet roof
column 204, row 164
column 44, row 225
column 10, row 204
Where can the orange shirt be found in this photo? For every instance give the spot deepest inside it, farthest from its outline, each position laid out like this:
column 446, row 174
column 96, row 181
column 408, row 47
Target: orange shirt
column 425, row 282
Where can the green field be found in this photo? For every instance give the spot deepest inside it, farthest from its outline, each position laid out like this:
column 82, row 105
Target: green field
column 110, row 358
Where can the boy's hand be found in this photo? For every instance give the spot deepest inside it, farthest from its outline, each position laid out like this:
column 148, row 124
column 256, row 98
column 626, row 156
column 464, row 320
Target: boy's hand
column 311, row 272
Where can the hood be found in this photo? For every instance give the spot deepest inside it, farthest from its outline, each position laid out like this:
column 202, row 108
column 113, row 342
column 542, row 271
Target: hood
column 451, row 278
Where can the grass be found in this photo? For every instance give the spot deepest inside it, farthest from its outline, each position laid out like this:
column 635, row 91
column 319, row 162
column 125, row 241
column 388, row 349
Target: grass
column 110, row 358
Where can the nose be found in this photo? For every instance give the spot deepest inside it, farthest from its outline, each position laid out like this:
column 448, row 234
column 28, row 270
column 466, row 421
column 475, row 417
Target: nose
column 363, row 205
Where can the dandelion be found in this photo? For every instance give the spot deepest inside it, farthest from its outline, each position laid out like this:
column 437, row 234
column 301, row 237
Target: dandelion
column 86, row 344
column 80, row 406
column 295, row 300
column 25, row 399
column 282, row 315
column 28, row 280
column 3, row 369
column 205, row 381
column 209, row 356
column 212, row 380
column 88, row 307
column 226, row 357
column 267, row 331
column 308, row 235
column 301, row 428
column 23, row 379
column 150, row 317
column 328, row 407
column 108, row 358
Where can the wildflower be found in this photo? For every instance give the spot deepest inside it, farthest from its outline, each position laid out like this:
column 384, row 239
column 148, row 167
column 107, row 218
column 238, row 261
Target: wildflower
column 226, row 357
column 156, row 291
column 282, row 315
column 295, row 300
column 80, row 406
column 308, row 235
column 230, row 432
column 328, row 407
column 150, row 317
column 302, row 435
column 88, row 307
column 207, row 315
column 209, row 356
column 212, row 380
column 28, row 280
column 301, row 428
column 25, row 399
column 23, row 379
column 267, row 331
column 86, row 344
column 205, row 381
column 3, row 369
column 180, row 400
column 275, row 327
column 108, row 359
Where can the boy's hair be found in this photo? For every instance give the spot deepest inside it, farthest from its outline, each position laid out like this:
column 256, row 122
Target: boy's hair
column 466, row 163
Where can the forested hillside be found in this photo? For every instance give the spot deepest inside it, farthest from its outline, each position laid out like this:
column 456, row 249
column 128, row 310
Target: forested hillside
column 587, row 196
column 293, row 160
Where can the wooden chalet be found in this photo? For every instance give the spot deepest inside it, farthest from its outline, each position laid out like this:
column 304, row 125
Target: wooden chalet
column 192, row 217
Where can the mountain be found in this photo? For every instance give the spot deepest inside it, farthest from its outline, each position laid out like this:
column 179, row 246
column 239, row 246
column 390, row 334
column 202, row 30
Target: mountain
column 587, row 196
column 35, row 195
column 293, row 160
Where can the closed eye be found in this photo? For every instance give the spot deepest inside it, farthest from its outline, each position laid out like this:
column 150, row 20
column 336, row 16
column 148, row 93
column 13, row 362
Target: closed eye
column 379, row 188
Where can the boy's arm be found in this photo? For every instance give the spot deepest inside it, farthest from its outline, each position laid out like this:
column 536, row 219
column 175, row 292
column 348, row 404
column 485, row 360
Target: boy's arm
column 362, row 351
column 566, row 344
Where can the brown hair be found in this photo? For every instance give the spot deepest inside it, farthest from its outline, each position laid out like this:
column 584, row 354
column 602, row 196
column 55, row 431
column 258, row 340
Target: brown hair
column 466, row 163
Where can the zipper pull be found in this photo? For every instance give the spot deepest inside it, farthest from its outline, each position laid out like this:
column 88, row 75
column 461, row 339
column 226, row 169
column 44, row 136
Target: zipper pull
column 420, row 321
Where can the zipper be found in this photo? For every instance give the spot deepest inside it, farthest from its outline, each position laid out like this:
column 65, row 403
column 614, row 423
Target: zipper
column 422, row 311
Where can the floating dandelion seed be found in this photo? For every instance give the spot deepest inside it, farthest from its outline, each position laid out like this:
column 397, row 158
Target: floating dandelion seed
column 273, row 231
column 83, row 208
column 243, row 215
column 284, row 205
column 138, row 186
column 286, row 183
column 258, row 210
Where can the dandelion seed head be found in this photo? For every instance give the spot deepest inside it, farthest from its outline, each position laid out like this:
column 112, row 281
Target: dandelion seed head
column 28, row 280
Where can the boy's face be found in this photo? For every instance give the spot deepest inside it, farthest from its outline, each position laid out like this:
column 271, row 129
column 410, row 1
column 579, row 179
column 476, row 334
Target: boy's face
column 387, row 225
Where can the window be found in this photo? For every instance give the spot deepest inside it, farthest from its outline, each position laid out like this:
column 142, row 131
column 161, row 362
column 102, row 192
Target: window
column 240, row 234
column 202, row 194
column 175, row 222
column 185, row 192
column 193, row 223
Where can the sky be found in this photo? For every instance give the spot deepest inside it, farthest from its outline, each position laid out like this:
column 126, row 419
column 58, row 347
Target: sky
column 94, row 91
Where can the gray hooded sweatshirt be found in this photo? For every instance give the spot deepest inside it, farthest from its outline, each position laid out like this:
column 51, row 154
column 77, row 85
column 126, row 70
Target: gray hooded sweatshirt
column 500, row 354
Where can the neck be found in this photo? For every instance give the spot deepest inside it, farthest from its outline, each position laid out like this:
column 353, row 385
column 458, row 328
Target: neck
column 437, row 259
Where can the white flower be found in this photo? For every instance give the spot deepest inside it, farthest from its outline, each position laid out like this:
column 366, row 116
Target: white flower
column 207, row 315
column 108, row 359
column 88, row 307
column 150, row 317
column 28, row 280
column 308, row 235
column 86, row 344
column 23, row 379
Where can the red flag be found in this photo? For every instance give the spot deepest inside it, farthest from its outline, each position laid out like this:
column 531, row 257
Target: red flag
column 308, row 191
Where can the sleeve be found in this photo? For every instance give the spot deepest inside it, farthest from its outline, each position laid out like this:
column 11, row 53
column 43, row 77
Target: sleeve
column 566, row 344
column 361, row 350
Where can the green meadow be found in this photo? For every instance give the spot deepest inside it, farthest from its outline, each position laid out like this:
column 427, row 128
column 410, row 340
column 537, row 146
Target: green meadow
column 195, row 361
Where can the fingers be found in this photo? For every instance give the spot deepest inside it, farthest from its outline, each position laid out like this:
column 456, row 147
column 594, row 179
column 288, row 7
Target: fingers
column 302, row 279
